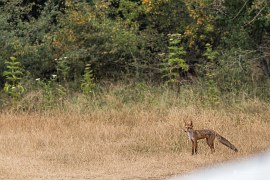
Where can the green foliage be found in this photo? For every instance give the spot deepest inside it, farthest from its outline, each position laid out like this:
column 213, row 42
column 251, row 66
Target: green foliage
column 234, row 74
column 234, row 77
column 90, row 36
column 63, row 68
column 52, row 92
column 175, row 63
column 166, row 17
column 25, row 29
column 123, row 39
column 243, row 24
column 13, row 75
column 135, row 93
column 210, row 54
column 212, row 92
column 87, row 83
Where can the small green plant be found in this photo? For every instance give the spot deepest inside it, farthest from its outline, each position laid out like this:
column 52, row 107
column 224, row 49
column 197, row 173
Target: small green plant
column 52, row 92
column 174, row 64
column 13, row 86
column 210, row 54
column 212, row 92
column 87, row 83
column 62, row 68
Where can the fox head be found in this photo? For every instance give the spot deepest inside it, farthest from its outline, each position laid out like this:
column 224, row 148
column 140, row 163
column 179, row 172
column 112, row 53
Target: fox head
column 188, row 126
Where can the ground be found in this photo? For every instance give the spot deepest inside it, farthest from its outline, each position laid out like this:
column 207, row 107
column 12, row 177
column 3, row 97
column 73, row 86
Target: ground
column 125, row 144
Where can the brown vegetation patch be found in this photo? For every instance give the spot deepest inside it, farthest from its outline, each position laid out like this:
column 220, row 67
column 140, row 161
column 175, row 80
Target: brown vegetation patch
column 129, row 143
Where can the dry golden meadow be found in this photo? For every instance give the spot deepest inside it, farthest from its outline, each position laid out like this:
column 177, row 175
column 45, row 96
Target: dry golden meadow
column 125, row 142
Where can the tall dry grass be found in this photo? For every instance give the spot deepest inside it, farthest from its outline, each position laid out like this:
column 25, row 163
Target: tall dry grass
column 124, row 141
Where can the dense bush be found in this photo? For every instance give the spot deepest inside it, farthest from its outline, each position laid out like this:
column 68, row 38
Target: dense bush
column 219, row 46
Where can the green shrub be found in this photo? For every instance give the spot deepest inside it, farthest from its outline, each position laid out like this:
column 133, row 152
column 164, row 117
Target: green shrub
column 87, row 83
column 13, row 75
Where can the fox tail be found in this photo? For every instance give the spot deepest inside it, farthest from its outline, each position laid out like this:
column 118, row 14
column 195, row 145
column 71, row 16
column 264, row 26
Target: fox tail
column 227, row 143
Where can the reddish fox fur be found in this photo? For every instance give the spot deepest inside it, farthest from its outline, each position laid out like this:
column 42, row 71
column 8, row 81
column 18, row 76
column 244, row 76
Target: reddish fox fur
column 209, row 135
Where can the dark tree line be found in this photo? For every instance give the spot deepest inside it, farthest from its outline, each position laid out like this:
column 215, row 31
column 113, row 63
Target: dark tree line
column 135, row 38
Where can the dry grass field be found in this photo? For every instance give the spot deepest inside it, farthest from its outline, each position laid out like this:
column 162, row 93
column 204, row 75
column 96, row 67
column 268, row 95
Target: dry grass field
column 131, row 142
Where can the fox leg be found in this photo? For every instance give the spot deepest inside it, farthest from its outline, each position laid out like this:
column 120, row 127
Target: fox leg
column 194, row 147
column 210, row 143
column 192, row 150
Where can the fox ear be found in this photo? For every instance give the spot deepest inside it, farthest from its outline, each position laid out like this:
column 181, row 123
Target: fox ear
column 191, row 123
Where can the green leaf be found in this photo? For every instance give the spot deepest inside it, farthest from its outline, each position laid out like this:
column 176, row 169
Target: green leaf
column 13, row 58
column 6, row 73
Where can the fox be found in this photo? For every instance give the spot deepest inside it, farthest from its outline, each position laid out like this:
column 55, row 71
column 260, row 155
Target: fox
column 209, row 135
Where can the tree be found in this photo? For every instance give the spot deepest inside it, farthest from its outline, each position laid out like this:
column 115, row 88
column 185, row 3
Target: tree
column 24, row 34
